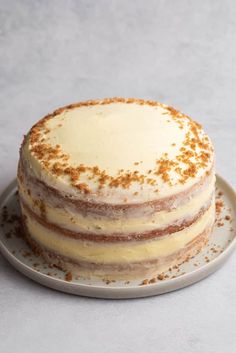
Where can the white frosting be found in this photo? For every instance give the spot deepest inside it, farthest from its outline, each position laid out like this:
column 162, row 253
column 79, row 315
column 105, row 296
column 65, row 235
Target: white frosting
column 113, row 137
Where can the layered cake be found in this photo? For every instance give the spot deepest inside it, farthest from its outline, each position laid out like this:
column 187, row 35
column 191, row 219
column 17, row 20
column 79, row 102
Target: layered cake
column 117, row 188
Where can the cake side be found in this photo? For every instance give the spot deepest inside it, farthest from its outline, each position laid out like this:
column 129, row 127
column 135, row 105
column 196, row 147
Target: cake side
column 149, row 268
column 145, row 220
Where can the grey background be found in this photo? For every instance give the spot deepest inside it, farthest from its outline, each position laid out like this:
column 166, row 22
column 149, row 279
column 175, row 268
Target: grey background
column 179, row 52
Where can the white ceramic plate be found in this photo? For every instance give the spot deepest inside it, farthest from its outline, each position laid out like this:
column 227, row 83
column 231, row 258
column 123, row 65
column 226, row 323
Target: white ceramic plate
column 221, row 245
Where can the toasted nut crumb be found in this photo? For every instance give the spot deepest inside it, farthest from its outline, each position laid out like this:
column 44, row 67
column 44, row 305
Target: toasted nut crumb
column 160, row 277
column 68, row 276
column 153, row 280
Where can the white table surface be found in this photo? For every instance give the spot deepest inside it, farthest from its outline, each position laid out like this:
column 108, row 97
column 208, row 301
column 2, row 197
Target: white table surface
column 180, row 52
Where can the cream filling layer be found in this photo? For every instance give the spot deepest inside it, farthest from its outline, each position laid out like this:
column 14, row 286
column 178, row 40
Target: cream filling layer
column 68, row 219
column 119, row 252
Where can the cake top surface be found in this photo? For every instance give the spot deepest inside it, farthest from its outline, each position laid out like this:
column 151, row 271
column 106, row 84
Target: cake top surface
column 118, row 150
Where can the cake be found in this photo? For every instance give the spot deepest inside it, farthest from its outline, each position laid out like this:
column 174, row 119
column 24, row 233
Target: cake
column 116, row 188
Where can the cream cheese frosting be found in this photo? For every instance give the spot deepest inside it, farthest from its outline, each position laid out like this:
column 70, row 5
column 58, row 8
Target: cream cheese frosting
column 119, row 139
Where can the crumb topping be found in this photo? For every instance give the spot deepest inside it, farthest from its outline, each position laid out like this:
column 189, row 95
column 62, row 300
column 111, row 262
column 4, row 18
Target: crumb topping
column 68, row 277
column 194, row 154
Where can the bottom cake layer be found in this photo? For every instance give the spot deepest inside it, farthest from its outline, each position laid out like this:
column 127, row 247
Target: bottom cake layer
column 120, row 271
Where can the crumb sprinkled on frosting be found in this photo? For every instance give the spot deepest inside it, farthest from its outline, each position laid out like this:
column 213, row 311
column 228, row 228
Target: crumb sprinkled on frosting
column 195, row 153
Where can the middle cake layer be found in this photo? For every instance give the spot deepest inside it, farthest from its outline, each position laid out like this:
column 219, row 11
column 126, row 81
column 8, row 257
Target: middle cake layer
column 101, row 227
